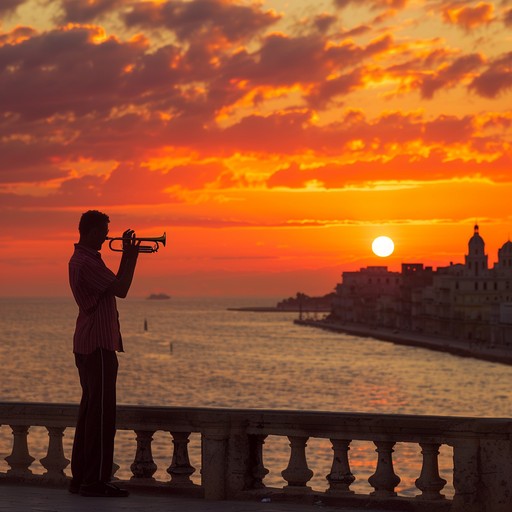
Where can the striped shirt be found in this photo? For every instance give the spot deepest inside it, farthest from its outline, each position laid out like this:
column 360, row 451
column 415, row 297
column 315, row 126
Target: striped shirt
column 97, row 325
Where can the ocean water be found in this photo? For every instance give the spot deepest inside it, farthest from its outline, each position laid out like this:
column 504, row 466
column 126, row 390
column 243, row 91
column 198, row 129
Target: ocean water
column 197, row 353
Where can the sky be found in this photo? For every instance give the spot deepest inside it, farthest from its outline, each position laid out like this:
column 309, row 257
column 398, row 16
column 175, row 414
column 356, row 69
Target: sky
column 271, row 140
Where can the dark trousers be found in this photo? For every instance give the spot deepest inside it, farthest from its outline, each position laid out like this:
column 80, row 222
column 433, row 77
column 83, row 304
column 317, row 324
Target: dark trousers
column 93, row 446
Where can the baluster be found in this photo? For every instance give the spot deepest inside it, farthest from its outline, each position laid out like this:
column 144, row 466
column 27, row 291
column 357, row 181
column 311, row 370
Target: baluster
column 143, row 466
column 180, row 468
column 20, row 459
column 115, row 469
column 340, row 478
column 384, row 479
column 258, row 471
column 55, row 462
column 429, row 482
column 297, row 474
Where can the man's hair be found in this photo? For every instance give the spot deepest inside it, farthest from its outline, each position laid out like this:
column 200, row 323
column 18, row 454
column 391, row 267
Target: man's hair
column 92, row 219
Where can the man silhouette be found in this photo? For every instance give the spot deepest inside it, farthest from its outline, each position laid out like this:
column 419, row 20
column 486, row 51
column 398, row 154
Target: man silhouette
column 96, row 340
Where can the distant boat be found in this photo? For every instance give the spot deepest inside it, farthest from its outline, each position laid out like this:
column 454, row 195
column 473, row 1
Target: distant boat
column 158, row 296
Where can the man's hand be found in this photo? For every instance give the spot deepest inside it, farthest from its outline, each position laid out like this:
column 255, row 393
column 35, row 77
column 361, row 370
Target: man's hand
column 130, row 244
column 124, row 276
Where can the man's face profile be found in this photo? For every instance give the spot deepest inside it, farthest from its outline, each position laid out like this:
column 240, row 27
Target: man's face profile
column 97, row 236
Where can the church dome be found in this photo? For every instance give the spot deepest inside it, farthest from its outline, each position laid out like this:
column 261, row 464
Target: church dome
column 506, row 248
column 505, row 255
column 476, row 242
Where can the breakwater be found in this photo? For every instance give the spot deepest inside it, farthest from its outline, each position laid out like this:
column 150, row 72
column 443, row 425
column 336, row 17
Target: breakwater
column 457, row 347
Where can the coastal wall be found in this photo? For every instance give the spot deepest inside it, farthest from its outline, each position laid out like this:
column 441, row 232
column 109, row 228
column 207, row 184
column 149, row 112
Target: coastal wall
column 233, row 454
column 464, row 348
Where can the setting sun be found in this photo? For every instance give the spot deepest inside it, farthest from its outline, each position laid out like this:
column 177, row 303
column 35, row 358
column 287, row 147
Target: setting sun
column 383, row 246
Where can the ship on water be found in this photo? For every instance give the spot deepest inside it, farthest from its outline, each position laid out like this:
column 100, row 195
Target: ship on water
column 158, row 296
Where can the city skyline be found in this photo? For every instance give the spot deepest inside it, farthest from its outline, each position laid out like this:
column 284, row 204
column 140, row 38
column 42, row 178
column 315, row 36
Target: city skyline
column 273, row 141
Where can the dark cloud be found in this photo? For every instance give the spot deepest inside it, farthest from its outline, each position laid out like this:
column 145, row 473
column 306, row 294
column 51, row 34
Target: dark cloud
column 358, row 31
column 323, row 22
column 449, row 130
column 275, row 133
column 68, row 71
column 289, row 60
column 341, row 86
column 211, row 18
column 450, row 76
column 496, row 79
column 9, row 6
column 346, row 55
column 307, row 60
column 30, row 156
column 128, row 184
column 81, row 11
column 507, row 17
column 293, row 133
column 80, row 70
column 31, row 174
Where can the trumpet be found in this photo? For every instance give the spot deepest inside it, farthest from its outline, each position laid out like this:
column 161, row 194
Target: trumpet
column 156, row 241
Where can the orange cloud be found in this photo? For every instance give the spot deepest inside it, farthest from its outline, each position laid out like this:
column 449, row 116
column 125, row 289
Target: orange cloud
column 293, row 132
column 469, row 17
column 129, row 184
column 398, row 169
column 17, row 35
column 374, row 4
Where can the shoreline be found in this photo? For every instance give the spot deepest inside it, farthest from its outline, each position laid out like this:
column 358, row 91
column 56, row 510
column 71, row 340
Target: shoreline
column 407, row 338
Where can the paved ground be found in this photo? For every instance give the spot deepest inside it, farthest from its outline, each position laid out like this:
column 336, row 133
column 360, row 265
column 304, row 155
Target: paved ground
column 17, row 498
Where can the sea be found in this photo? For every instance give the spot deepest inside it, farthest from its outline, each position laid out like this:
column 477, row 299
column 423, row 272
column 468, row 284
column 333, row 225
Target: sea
column 197, row 352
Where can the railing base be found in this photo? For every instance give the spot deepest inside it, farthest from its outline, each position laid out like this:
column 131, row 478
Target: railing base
column 356, row 501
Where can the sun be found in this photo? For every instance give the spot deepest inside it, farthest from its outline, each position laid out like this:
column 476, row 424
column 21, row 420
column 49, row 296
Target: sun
column 383, row 246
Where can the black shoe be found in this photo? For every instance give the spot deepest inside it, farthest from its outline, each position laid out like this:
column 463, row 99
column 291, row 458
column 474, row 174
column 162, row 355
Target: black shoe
column 74, row 487
column 103, row 490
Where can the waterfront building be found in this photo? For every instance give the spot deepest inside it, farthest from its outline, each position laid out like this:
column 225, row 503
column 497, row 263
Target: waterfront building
column 370, row 296
column 467, row 301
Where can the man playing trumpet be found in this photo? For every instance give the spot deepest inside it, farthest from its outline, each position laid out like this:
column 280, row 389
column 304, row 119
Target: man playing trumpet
column 96, row 340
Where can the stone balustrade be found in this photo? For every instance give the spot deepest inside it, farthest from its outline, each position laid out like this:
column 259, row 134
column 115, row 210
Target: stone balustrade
column 233, row 454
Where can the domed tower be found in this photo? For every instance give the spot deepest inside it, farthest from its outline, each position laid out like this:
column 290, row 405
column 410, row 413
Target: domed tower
column 505, row 257
column 476, row 259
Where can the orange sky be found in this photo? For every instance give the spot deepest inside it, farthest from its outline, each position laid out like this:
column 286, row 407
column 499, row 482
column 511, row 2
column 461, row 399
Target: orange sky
column 272, row 140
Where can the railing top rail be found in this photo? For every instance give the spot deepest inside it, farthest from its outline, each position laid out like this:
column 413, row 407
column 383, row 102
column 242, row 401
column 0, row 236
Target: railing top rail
column 268, row 421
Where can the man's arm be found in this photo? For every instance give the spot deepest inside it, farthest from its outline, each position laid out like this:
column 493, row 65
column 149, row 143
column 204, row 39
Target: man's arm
column 124, row 276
